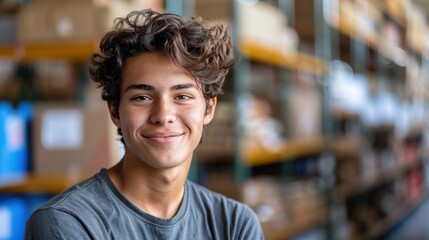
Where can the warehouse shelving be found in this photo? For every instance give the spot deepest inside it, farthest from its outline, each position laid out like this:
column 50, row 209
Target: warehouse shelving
column 351, row 190
column 348, row 146
column 287, row 59
column 391, row 8
column 73, row 51
column 290, row 152
column 37, row 184
column 76, row 52
column 292, row 149
column 382, row 227
column 374, row 48
column 318, row 218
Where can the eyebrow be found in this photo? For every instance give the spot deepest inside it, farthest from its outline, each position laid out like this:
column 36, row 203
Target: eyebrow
column 140, row 87
column 183, row 86
column 147, row 87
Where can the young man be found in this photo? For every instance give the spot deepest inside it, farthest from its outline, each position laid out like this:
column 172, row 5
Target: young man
column 160, row 75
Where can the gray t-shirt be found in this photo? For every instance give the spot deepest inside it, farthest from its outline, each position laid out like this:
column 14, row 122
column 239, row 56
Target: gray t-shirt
column 95, row 209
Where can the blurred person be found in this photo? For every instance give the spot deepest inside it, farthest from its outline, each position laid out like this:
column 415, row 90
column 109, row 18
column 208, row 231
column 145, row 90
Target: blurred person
column 160, row 75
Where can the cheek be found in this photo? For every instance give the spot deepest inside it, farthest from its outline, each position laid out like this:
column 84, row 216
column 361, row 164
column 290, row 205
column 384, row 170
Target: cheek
column 131, row 118
column 195, row 118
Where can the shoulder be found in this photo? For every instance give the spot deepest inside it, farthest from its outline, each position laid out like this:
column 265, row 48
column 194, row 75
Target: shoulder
column 74, row 202
column 78, row 196
column 69, row 212
column 48, row 223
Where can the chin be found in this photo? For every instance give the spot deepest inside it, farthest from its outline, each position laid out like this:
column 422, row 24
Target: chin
column 167, row 162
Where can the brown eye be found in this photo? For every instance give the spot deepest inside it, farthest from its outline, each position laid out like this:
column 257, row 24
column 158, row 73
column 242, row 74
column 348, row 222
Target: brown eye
column 183, row 97
column 140, row 98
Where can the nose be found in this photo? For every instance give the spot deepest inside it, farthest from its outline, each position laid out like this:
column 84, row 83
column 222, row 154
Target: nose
column 162, row 112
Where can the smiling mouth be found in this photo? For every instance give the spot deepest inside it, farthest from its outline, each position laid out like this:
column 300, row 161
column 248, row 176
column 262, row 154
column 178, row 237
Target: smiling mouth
column 164, row 139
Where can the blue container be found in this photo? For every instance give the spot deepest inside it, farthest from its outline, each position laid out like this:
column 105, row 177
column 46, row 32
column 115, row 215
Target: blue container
column 13, row 142
column 26, row 112
column 5, row 112
column 13, row 212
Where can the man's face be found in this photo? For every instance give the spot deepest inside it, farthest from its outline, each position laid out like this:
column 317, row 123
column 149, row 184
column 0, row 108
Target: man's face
column 161, row 111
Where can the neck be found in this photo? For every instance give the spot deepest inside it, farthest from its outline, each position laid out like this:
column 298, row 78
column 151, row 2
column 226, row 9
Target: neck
column 156, row 192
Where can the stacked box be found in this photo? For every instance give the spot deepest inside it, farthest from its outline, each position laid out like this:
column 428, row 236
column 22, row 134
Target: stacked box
column 73, row 141
column 8, row 25
column 48, row 21
column 58, row 21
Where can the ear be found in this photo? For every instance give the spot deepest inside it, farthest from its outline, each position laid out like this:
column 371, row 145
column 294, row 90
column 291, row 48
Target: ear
column 114, row 114
column 210, row 110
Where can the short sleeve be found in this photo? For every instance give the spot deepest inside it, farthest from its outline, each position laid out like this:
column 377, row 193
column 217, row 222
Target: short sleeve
column 52, row 224
column 251, row 227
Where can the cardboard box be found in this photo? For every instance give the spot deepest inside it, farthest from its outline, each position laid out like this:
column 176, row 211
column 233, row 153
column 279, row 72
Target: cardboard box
column 218, row 136
column 9, row 5
column 93, row 2
column 55, row 79
column 7, row 70
column 70, row 21
column 73, row 141
column 214, row 9
column 303, row 102
column 49, row 21
column 8, row 25
column 261, row 23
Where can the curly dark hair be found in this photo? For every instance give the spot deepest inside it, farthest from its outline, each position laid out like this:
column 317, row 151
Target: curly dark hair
column 203, row 48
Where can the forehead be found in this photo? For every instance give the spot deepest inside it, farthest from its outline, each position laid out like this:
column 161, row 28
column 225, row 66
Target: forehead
column 154, row 69
column 148, row 61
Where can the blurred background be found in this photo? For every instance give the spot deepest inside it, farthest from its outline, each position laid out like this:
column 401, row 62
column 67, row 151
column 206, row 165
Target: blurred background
column 322, row 129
